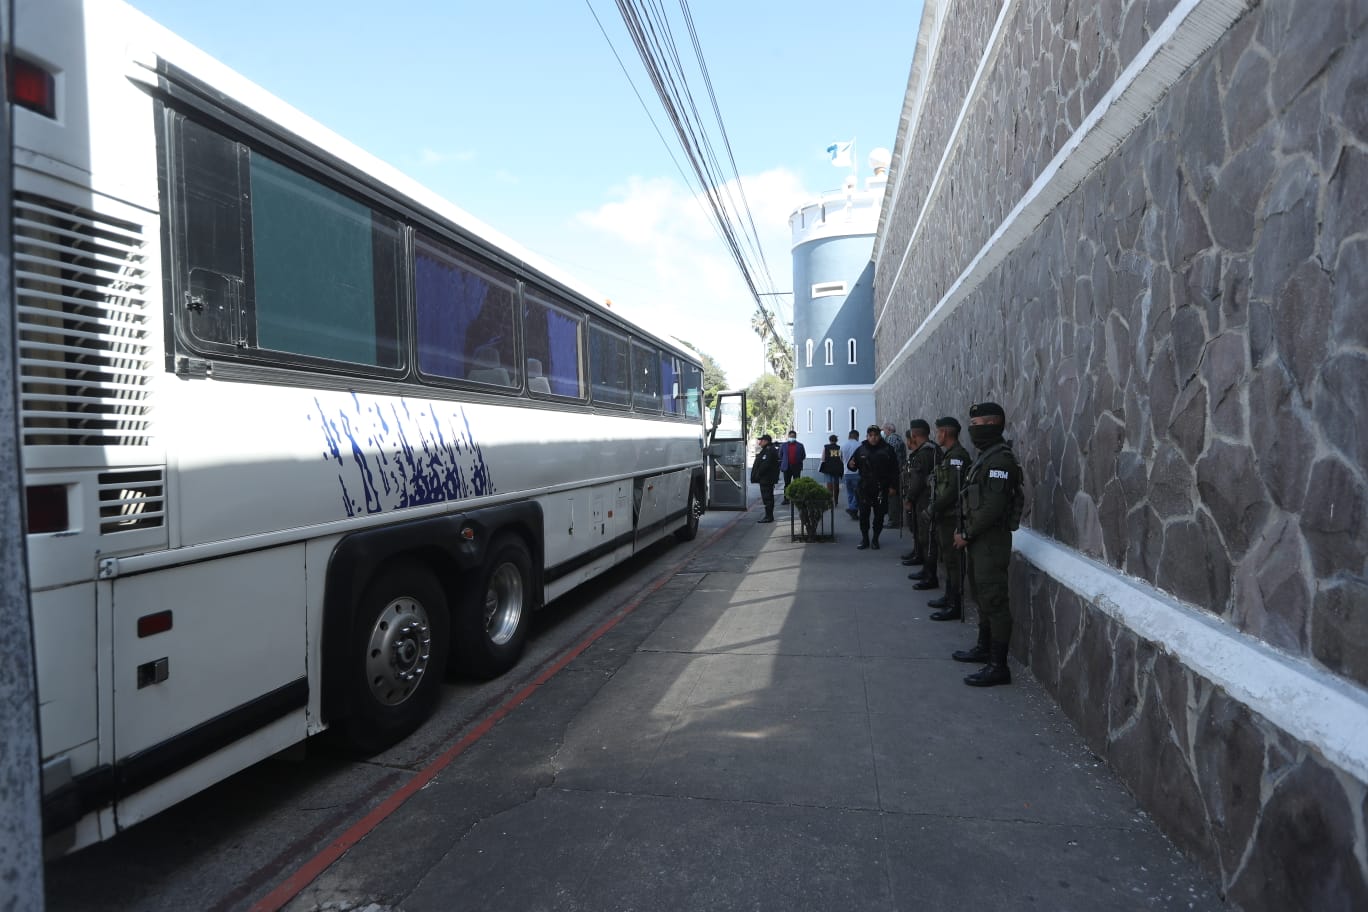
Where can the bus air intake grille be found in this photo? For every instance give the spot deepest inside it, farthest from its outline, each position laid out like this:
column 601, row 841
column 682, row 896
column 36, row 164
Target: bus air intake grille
column 83, row 319
column 132, row 499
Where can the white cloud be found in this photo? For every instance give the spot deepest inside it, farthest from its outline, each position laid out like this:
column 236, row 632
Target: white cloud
column 429, row 156
column 655, row 252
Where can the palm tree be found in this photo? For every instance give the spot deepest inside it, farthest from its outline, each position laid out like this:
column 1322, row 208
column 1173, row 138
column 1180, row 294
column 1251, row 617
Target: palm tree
column 778, row 352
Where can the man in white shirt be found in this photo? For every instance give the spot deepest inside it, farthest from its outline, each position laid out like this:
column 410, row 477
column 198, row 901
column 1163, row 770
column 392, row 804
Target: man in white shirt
column 852, row 478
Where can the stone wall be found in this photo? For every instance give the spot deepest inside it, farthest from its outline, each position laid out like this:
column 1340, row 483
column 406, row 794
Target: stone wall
column 1182, row 348
column 1277, row 824
column 1056, row 60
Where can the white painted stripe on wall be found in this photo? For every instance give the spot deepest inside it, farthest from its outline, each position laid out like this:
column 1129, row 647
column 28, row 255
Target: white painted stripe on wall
column 851, row 388
column 952, row 145
column 1313, row 706
column 1190, row 30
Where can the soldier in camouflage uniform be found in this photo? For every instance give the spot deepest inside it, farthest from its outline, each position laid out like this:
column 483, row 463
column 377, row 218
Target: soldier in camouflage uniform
column 895, row 441
column 922, row 457
column 945, row 517
column 905, row 479
column 991, row 511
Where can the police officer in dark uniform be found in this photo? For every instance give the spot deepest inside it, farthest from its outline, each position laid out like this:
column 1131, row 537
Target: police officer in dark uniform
column 945, row 517
column 991, row 512
column 878, row 467
column 765, row 473
column 922, row 458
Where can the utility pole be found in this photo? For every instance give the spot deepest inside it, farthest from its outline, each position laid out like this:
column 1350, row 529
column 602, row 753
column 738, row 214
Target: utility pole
column 21, row 848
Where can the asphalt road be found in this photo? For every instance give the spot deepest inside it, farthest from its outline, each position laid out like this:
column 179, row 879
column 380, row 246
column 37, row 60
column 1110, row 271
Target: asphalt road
column 232, row 844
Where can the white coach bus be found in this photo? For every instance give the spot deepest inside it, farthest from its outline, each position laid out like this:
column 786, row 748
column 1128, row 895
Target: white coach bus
column 298, row 435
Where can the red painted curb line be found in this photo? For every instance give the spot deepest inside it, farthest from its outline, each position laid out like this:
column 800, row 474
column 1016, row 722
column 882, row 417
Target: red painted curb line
column 293, row 885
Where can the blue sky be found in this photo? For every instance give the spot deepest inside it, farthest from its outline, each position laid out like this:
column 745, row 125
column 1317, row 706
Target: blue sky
column 520, row 114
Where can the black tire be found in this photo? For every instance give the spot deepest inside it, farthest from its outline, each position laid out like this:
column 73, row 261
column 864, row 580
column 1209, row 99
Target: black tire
column 492, row 624
column 694, row 509
column 396, row 656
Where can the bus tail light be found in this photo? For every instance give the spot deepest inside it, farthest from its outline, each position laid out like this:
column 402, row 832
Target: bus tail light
column 32, row 87
column 150, row 624
column 47, row 508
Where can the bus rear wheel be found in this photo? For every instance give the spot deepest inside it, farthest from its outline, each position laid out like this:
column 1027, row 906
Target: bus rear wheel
column 397, row 656
column 492, row 625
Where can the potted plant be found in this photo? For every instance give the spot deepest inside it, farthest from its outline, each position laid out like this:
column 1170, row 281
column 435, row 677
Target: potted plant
column 811, row 499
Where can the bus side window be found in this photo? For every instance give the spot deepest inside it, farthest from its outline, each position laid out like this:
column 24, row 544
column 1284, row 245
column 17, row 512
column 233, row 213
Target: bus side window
column 212, row 234
column 277, row 264
column 324, row 272
column 669, row 384
column 693, row 386
column 645, row 378
column 608, row 368
column 553, row 337
column 465, row 318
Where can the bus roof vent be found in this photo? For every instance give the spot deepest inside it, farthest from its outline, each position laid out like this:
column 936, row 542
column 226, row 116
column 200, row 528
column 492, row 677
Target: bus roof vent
column 132, row 499
column 81, row 289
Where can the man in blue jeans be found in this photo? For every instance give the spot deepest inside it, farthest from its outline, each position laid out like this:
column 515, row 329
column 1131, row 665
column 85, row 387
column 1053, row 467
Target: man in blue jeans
column 852, row 478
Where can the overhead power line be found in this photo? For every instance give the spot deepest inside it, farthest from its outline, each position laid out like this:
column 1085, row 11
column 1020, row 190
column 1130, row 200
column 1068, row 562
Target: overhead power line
column 649, row 27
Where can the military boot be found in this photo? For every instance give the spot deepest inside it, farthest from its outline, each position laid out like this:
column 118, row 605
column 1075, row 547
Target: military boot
column 864, row 543
column 995, row 672
column 928, row 581
column 980, row 652
column 910, row 556
column 953, row 610
column 921, row 574
column 874, row 542
column 939, row 602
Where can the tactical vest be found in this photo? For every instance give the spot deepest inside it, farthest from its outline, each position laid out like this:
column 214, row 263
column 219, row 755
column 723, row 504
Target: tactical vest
column 946, row 475
column 1016, row 501
column 1016, row 505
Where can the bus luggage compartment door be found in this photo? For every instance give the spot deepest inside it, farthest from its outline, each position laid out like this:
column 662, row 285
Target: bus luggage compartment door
column 209, row 659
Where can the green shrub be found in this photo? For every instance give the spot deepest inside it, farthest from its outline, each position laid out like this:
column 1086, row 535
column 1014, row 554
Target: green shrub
column 812, row 499
column 804, row 491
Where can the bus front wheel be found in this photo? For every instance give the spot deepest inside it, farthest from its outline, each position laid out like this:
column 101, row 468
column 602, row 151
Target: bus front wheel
column 397, row 656
column 491, row 627
column 689, row 530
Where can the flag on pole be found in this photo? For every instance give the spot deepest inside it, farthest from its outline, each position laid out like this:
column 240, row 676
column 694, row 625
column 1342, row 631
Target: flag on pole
column 840, row 153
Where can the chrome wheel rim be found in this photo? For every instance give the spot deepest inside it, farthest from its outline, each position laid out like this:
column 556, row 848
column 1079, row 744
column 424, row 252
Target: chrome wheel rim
column 503, row 606
column 399, row 651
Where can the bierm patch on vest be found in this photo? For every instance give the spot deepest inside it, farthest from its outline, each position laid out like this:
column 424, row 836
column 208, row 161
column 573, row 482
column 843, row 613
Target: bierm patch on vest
column 998, row 473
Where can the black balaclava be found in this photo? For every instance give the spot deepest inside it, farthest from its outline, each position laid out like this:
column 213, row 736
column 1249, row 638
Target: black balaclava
column 986, row 435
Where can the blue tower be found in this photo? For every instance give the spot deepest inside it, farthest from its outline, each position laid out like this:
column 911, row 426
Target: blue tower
column 833, row 310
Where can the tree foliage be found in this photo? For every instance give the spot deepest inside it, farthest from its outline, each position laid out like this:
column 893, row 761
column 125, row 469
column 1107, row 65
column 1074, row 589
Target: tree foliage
column 769, row 406
column 714, row 379
column 778, row 352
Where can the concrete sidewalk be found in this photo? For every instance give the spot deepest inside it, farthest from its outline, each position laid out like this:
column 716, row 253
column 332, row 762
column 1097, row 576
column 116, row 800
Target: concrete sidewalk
column 779, row 727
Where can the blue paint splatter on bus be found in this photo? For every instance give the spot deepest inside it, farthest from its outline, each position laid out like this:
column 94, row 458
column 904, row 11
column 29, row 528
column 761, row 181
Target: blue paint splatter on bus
column 406, row 458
